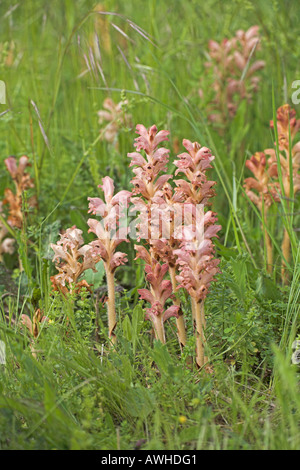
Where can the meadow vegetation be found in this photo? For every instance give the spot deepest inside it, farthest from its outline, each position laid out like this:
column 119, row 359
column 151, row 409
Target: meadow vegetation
column 158, row 345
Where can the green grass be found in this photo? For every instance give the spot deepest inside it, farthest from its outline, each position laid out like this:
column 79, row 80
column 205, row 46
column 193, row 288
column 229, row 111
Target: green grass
column 75, row 395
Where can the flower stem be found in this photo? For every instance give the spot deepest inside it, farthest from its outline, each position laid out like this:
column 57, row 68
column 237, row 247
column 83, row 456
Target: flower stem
column 181, row 332
column 286, row 244
column 199, row 315
column 111, row 307
column 159, row 329
column 203, row 321
column 268, row 245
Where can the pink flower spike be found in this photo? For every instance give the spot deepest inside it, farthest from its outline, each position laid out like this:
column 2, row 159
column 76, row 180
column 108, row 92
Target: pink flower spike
column 72, row 258
column 229, row 60
column 150, row 139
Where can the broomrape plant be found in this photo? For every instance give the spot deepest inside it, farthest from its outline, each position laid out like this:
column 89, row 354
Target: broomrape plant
column 149, row 184
column 195, row 258
column 276, row 176
column 109, row 235
column 22, row 181
column 174, row 225
column 263, row 193
column 15, row 215
column 6, row 243
column 288, row 166
column 116, row 117
column 72, row 258
column 235, row 75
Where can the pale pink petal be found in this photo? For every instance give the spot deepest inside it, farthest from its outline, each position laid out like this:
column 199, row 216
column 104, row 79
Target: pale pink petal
column 108, row 188
column 96, row 206
column 171, row 312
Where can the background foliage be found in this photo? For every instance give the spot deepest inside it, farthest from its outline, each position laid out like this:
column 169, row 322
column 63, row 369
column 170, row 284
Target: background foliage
column 144, row 396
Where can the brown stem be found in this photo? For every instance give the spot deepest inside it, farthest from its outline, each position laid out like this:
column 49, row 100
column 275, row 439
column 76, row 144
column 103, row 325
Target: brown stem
column 286, row 242
column 268, row 245
column 33, row 351
column 286, row 245
column 203, row 320
column 181, row 332
column 199, row 315
column 111, row 306
column 97, row 318
column 193, row 315
column 159, row 329
column 21, row 267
